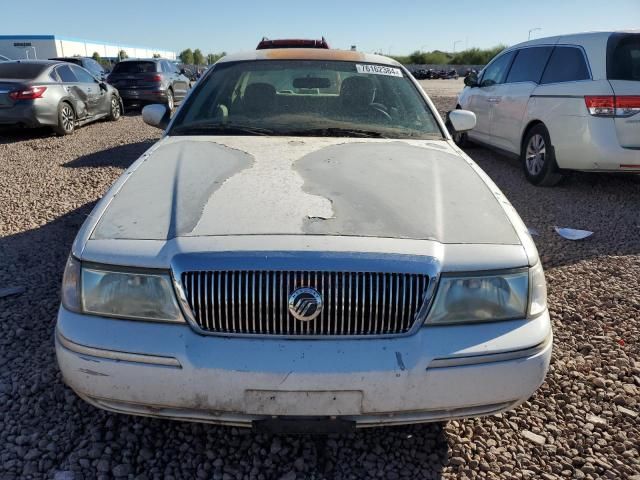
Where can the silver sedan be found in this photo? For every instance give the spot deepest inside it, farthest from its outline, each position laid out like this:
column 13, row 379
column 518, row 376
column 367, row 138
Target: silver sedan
column 57, row 94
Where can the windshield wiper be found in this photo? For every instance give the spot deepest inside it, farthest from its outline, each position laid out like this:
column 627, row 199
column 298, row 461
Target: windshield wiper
column 219, row 128
column 336, row 132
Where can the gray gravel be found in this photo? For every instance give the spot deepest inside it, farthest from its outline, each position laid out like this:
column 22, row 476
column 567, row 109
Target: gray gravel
column 582, row 423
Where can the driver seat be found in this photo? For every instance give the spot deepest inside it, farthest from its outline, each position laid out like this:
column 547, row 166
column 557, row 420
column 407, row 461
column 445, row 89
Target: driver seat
column 357, row 96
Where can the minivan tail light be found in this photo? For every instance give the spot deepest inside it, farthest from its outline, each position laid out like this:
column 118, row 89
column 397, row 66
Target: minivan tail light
column 600, row 106
column 627, row 105
column 28, row 94
column 613, row 105
column 155, row 78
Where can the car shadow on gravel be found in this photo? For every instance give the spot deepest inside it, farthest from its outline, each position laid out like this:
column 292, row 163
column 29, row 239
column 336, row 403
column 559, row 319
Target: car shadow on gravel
column 606, row 204
column 120, row 157
column 48, row 430
column 9, row 135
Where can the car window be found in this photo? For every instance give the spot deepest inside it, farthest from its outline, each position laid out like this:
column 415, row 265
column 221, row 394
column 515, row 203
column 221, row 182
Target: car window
column 93, row 66
column 497, row 71
column 53, row 75
column 623, row 57
column 12, row 70
column 529, row 64
column 164, row 67
column 309, row 97
column 82, row 75
column 66, row 74
column 286, row 83
column 134, row 67
column 567, row 64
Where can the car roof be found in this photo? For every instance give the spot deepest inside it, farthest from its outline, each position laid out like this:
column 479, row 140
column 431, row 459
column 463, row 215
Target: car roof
column 577, row 38
column 310, row 54
column 46, row 63
column 142, row 60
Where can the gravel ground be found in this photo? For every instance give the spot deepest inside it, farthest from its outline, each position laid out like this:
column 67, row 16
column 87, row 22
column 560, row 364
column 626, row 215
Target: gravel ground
column 582, row 423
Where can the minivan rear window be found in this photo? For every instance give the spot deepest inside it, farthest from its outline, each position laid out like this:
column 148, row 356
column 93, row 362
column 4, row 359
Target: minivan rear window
column 21, row 70
column 135, row 67
column 623, row 57
column 567, row 64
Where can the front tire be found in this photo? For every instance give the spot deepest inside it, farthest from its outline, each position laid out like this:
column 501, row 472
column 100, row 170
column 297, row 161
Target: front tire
column 538, row 158
column 66, row 119
column 115, row 109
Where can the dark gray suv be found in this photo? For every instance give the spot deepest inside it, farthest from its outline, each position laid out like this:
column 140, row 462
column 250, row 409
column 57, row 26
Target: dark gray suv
column 152, row 80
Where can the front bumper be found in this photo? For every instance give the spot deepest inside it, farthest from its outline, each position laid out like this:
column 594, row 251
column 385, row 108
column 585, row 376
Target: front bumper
column 170, row 371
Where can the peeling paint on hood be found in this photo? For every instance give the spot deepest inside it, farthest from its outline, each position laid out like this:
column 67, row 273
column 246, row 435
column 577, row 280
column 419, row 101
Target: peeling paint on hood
column 165, row 196
column 400, row 190
column 247, row 185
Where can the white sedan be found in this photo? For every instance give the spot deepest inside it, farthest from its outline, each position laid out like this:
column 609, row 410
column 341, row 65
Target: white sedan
column 305, row 249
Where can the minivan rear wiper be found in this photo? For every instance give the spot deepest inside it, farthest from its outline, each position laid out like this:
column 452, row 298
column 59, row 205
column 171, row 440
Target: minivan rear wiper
column 336, row 132
column 219, row 128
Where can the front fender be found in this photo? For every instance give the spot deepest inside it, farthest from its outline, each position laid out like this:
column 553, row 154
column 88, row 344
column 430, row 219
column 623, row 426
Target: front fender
column 79, row 107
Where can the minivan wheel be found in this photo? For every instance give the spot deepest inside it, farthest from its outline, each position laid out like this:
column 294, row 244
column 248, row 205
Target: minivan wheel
column 538, row 158
column 66, row 120
column 115, row 109
column 170, row 101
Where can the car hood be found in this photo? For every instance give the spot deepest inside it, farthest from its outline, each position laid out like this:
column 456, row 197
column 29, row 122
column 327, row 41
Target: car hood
column 218, row 186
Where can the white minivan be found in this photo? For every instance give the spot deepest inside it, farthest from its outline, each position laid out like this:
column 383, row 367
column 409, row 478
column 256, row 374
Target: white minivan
column 562, row 103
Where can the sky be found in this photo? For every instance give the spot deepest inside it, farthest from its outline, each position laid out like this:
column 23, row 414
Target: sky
column 394, row 27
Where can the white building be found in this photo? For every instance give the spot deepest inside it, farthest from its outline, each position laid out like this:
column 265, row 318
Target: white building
column 47, row 46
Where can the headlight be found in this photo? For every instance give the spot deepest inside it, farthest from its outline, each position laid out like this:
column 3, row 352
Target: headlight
column 122, row 294
column 478, row 298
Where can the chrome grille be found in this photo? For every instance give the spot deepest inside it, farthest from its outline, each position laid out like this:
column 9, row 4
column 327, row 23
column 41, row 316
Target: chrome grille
column 256, row 302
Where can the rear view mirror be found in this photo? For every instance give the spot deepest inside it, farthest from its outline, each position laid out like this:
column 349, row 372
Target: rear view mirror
column 462, row 120
column 311, row 82
column 471, row 80
column 156, row 115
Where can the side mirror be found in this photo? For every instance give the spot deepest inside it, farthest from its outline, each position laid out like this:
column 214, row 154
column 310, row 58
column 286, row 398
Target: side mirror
column 471, row 80
column 103, row 86
column 157, row 115
column 462, row 120
column 183, row 71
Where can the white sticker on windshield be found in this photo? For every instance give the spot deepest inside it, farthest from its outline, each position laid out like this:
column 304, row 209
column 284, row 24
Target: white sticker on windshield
column 379, row 70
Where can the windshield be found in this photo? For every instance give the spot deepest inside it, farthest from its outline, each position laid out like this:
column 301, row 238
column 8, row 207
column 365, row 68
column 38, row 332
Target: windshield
column 306, row 97
column 135, row 67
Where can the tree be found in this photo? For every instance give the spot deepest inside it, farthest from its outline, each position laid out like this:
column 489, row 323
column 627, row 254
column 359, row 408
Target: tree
column 96, row 57
column 122, row 55
column 156, row 55
column 186, row 56
column 475, row 56
column 198, row 57
column 432, row 58
column 214, row 57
